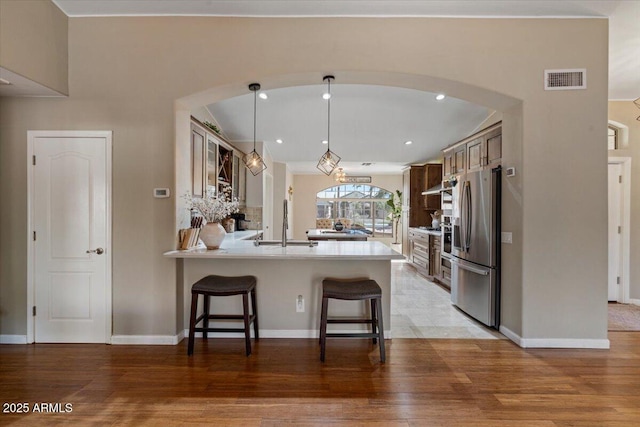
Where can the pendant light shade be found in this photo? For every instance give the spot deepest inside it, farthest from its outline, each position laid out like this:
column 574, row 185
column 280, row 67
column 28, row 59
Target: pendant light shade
column 329, row 160
column 253, row 161
column 340, row 175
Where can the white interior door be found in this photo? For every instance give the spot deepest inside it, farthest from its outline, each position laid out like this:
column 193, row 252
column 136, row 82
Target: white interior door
column 70, row 191
column 615, row 236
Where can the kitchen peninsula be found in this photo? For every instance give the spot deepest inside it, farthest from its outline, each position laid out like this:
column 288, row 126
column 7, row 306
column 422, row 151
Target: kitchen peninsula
column 286, row 274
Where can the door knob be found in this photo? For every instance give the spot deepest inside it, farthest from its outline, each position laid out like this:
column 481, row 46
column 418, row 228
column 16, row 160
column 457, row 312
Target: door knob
column 98, row 251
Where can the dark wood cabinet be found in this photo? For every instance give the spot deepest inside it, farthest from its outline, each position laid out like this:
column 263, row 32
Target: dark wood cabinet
column 432, row 177
column 424, row 253
column 481, row 150
column 414, row 185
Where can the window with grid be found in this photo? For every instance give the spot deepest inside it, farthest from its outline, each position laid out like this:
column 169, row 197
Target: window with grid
column 365, row 205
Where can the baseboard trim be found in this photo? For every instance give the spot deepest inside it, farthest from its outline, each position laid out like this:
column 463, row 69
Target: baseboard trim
column 511, row 335
column 275, row 333
column 147, row 339
column 13, row 339
column 555, row 342
column 634, row 301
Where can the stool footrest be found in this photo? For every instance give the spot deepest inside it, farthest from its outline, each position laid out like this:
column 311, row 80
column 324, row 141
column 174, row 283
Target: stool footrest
column 349, row 321
column 352, row 335
column 218, row 329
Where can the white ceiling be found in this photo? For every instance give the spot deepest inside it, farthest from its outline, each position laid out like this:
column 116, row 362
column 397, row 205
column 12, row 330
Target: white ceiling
column 370, row 124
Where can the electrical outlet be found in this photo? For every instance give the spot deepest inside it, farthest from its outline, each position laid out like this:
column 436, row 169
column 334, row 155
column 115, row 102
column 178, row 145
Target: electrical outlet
column 507, row 237
column 300, row 304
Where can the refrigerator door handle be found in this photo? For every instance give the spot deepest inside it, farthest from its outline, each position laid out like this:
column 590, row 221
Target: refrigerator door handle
column 463, row 233
column 464, row 266
column 466, row 213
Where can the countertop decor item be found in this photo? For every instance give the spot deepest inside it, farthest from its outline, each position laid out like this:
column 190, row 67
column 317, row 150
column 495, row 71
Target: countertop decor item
column 329, row 160
column 214, row 210
column 253, row 161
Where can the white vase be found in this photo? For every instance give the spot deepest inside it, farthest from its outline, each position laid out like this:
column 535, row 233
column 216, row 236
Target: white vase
column 212, row 235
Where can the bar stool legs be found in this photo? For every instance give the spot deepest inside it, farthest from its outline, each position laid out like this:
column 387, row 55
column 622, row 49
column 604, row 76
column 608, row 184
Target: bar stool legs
column 223, row 286
column 353, row 290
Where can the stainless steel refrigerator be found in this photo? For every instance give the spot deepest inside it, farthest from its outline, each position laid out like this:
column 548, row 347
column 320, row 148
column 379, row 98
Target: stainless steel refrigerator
column 475, row 247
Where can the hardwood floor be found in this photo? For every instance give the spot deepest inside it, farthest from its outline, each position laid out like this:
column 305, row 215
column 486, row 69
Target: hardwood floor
column 434, row 382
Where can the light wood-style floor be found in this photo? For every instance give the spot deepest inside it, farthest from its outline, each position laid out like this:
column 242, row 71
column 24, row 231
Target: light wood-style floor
column 425, row 382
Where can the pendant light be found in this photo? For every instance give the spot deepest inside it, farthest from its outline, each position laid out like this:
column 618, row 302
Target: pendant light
column 253, row 161
column 329, row 160
column 341, row 175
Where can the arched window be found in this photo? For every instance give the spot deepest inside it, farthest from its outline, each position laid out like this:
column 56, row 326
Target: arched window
column 364, row 207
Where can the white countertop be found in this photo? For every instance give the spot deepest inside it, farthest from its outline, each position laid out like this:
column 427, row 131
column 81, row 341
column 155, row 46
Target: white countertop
column 425, row 231
column 240, row 235
column 325, row 250
column 323, row 234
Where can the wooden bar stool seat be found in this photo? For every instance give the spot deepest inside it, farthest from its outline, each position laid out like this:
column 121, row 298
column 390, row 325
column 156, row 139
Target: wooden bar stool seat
column 223, row 286
column 355, row 290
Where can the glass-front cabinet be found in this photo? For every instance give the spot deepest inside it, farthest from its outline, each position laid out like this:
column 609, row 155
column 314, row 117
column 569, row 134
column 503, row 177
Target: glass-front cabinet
column 216, row 164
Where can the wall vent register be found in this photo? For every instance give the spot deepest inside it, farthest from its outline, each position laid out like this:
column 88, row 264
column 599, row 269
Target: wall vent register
column 565, row 79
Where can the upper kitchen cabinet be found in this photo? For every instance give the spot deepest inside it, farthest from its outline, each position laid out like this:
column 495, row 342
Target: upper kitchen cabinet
column 432, row 178
column 454, row 160
column 486, row 149
column 480, row 150
column 216, row 164
column 198, row 166
column 414, row 185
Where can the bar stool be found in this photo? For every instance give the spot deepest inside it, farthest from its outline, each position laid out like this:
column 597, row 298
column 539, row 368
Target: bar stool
column 355, row 290
column 223, row 286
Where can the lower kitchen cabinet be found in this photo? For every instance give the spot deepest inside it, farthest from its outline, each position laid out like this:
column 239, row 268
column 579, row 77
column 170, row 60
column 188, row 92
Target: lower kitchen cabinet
column 422, row 251
column 424, row 255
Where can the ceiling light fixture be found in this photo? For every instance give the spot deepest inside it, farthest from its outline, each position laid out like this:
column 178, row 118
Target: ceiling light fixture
column 340, row 175
column 440, row 96
column 329, row 160
column 324, row 141
column 253, row 161
column 408, row 142
column 263, row 95
column 279, row 141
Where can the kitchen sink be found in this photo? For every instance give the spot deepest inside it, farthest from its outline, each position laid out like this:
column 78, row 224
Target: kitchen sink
column 289, row 243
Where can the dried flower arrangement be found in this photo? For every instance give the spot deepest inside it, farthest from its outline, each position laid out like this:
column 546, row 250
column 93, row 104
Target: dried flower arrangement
column 213, row 208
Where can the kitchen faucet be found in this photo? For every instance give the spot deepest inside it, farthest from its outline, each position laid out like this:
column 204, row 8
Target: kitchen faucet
column 285, row 224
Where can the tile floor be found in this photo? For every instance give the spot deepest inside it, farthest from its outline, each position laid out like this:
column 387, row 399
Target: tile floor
column 422, row 309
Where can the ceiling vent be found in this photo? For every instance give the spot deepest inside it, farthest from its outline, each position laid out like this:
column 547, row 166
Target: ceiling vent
column 565, row 79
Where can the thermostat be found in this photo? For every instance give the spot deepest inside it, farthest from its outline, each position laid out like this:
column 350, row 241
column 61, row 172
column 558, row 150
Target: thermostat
column 161, row 193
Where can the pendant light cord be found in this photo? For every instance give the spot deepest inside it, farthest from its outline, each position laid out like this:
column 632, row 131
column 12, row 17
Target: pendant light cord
column 255, row 98
column 329, row 115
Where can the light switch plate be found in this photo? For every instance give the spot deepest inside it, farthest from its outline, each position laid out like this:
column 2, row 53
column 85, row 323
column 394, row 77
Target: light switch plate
column 506, row 237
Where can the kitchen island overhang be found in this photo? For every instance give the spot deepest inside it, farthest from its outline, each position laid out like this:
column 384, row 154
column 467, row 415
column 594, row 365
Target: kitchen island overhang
column 284, row 274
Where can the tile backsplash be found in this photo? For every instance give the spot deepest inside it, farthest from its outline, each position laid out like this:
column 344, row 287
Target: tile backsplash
column 254, row 215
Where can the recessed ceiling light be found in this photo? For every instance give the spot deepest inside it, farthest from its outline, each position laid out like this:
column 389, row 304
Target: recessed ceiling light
column 325, row 142
column 279, row 141
column 326, row 95
column 408, row 142
column 263, row 95
column 440, row 96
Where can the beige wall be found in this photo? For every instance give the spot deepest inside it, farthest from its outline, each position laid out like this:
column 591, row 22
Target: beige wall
column 625, row 112
column 306, row 187
column 127, row 73
column 33, row 42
